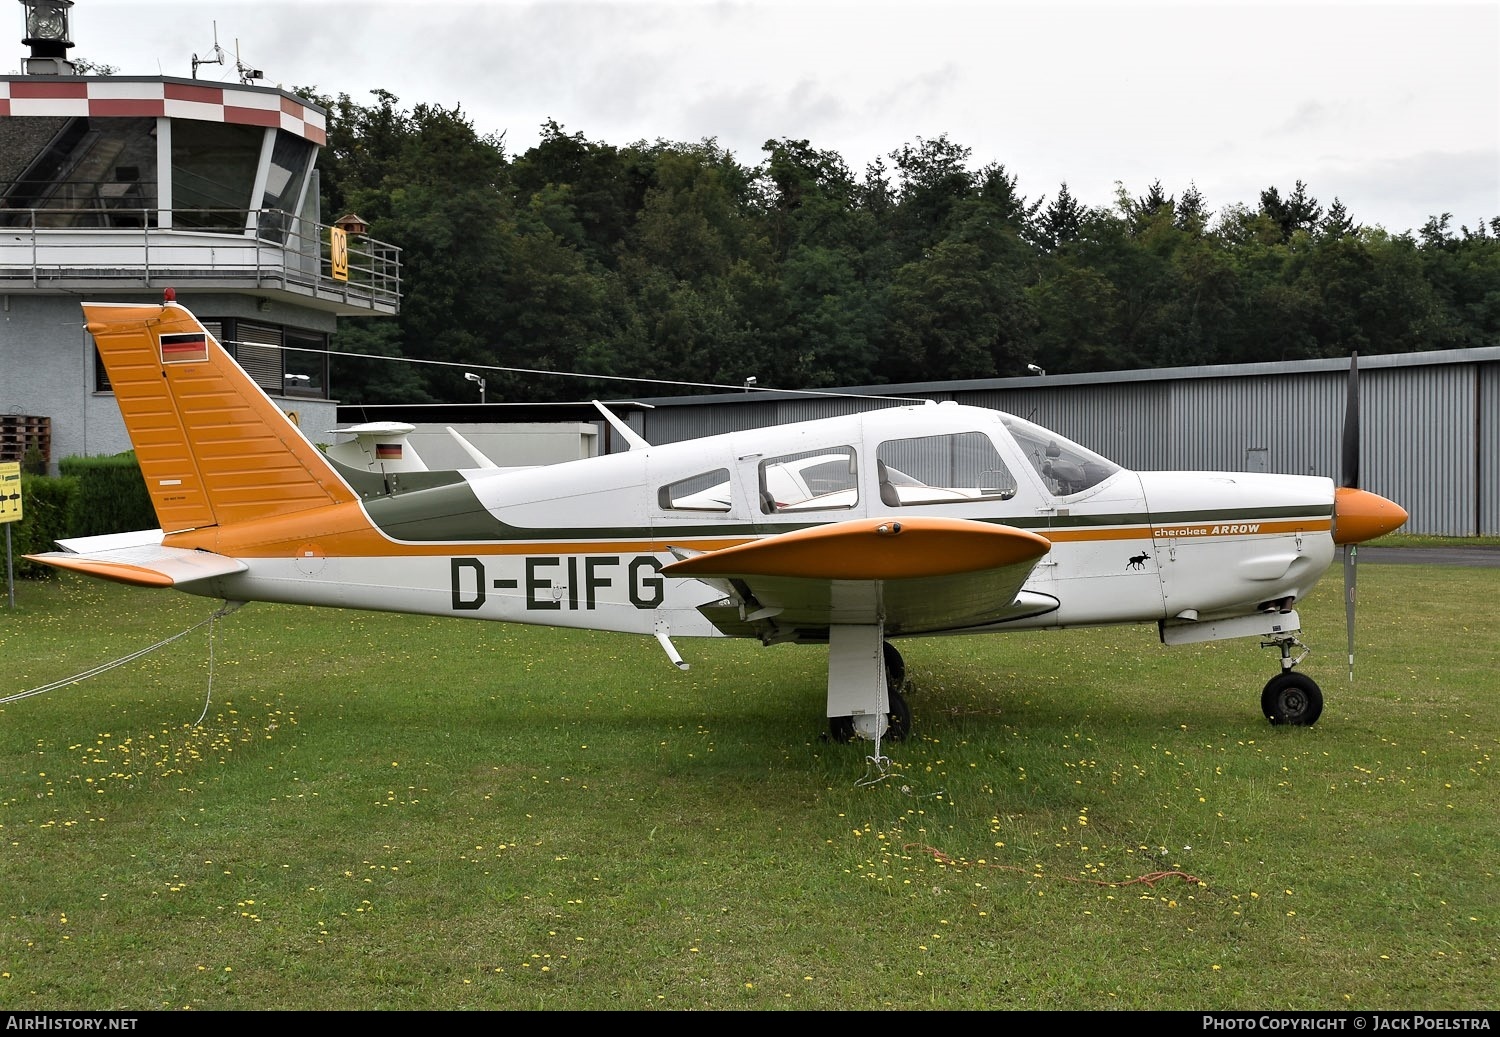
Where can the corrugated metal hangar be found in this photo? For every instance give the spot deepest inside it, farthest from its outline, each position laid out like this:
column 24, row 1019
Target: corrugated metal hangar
column 1430, row 422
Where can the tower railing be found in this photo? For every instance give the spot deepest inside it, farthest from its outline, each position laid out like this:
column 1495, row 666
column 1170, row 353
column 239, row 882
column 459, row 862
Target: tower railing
column 266, row 249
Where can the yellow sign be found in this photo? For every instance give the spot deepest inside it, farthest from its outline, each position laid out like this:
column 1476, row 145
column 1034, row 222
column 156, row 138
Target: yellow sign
column 10, row 491
column 338, row 253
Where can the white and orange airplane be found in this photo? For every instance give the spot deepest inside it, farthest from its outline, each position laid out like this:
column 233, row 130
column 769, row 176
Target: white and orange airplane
column 847, row 531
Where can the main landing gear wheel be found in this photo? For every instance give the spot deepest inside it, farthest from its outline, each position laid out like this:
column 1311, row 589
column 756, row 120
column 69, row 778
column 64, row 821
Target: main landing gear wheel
column 1292, row 698
column 898, row 722
column 895, row 667
column 898, row 716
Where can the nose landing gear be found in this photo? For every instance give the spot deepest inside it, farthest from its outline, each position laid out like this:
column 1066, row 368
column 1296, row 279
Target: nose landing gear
column 1291, row 697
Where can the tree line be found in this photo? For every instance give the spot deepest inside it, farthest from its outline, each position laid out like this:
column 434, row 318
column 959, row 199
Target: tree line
column 678, row 262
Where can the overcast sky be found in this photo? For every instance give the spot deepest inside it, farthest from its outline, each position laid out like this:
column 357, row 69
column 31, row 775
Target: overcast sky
column 1393, row 108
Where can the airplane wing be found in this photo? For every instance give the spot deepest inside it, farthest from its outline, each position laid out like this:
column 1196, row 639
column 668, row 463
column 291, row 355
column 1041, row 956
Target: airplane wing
column 913, row 575
column 138, row 559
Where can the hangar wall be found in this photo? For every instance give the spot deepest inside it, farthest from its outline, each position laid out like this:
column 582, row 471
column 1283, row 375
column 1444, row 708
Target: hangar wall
column 1430, row 422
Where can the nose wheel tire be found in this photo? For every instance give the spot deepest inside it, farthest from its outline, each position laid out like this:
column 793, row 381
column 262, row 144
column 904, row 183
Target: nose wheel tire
column 1292, row 698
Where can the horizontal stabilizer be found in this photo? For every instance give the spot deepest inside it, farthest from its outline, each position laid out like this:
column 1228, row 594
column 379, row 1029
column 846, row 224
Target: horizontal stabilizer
column 111, row 541
column 143, row 565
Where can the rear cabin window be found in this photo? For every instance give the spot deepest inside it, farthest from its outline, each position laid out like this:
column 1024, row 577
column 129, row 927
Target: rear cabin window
column 706, row 492
column 814, row 480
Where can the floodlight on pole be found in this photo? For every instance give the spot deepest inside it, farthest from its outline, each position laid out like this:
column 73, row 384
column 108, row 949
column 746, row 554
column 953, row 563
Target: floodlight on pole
column 470, row 376
column 1035, row 369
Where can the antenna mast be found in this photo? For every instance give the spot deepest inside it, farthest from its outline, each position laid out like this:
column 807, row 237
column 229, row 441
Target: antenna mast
column 218, row 54
column 246, row 73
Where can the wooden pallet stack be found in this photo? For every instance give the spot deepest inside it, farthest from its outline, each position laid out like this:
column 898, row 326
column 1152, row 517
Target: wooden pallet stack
column 21, row 434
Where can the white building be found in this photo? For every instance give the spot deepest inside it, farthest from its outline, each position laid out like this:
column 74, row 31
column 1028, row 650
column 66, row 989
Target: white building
column 119, row 187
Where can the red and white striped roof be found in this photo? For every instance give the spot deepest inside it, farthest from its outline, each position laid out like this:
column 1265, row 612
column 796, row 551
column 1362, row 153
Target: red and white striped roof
column 105, row 97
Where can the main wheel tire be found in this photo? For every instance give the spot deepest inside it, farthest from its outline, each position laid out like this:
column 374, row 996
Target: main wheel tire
column 897, row 722
column 1292, row 698
column 899, row 718
column 895, row 667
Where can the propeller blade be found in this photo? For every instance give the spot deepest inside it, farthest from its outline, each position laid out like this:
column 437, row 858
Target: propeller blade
column 1351, row 552
column 1351, row 479
column 1350, row 459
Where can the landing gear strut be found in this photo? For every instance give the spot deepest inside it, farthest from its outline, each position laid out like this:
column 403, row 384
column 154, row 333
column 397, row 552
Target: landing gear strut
column 898, row 713
column 1290, row 697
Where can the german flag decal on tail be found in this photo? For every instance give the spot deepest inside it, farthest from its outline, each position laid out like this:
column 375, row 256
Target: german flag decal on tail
column 178, row 349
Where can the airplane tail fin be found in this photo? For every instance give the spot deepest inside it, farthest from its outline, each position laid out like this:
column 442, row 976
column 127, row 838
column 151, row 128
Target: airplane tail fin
column 213, row 447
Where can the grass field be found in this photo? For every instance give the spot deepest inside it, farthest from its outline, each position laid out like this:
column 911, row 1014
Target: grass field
column 381, row 812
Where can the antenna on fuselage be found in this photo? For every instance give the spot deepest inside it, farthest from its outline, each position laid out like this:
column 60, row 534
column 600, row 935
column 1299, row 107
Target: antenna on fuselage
column 629, row 434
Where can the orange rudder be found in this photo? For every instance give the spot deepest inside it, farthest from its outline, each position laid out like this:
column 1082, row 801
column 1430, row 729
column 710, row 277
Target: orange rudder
column 213, row 447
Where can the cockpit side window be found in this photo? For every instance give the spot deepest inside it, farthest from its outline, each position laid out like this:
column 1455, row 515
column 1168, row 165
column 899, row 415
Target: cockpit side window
column 1064, row 466
column 944, row 469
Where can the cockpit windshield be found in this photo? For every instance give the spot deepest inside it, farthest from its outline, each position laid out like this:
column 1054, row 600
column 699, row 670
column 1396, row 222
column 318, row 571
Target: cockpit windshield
column 1064, row 466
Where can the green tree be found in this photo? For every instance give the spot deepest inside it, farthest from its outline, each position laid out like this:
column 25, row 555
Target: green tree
column 1061, row 221
column 591, row 192
column 1299, row 211
column 427, row 181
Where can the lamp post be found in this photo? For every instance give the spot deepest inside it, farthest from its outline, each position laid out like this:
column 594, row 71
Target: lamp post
column 470, row 376
column 1035, row 369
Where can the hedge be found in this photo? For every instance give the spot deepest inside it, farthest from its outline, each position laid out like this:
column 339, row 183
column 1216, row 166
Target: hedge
column 93, row 495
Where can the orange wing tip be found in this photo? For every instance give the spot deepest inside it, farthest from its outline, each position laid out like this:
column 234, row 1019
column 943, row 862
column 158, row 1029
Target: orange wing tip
column 1359, row 515
column 873, row 549
column 119, row 572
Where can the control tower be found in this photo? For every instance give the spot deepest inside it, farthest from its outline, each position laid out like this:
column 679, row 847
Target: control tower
column 114, row 188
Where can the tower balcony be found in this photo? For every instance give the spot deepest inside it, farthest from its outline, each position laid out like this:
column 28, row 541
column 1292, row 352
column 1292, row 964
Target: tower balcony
column 269, row 253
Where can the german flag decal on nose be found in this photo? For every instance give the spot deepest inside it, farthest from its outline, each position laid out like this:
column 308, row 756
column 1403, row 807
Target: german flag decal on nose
column 177, row 349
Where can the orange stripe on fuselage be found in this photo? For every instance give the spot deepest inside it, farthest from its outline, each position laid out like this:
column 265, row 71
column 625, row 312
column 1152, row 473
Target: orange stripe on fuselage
column 1186, row 530
column 344, row 531
column 1196, row 530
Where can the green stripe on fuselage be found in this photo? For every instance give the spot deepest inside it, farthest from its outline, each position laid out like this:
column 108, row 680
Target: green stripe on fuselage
column 452, row 513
